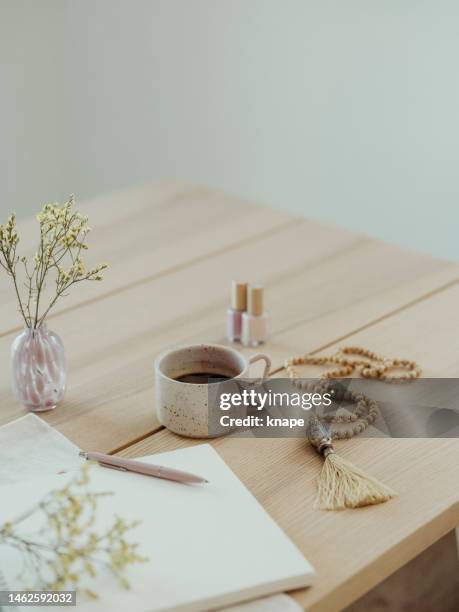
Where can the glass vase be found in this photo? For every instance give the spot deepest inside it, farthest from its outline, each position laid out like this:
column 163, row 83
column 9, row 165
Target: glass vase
column 38, row 369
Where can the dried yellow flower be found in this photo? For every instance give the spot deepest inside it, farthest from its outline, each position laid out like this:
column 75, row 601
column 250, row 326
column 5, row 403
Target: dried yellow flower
column 63, row 232
column 72, row 546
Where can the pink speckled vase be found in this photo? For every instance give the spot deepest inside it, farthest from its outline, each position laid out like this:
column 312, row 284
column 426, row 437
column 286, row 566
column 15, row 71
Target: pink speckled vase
column 38, row 369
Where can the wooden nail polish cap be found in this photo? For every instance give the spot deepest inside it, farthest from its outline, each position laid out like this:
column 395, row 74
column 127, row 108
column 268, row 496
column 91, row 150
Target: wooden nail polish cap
column 238, row 295
column 255, row 300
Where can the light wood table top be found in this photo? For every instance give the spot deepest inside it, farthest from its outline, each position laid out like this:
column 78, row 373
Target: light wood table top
column 173, row 251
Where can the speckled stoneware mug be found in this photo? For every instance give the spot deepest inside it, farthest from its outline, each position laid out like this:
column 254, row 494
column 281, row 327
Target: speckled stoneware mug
column 181, row 406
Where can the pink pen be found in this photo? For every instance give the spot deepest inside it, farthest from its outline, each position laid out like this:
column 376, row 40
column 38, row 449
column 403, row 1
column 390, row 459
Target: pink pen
column 129, row 465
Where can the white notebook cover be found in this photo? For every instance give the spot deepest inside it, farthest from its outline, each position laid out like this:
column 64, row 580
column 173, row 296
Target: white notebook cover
column 208, row 546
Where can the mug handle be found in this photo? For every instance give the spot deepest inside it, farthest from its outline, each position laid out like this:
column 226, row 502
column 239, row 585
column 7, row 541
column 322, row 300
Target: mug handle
column 265, row 358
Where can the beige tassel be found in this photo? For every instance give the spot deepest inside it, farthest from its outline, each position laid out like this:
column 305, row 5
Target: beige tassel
column 342, row 484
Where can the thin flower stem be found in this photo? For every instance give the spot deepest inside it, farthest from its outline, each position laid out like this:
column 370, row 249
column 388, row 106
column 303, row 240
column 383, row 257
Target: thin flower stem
column 10, row 268
column 19, row 300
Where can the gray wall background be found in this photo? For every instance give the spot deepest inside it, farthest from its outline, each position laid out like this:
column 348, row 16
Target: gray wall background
column 346, row 111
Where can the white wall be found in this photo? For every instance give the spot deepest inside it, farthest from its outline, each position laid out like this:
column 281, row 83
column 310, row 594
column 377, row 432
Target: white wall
column 344, row 110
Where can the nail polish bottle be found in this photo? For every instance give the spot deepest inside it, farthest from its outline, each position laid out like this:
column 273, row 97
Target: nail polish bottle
column 255, row 322
column 234, row 314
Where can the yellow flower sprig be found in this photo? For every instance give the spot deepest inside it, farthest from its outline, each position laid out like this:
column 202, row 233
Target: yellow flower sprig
column 68, row 548
column 63, row 233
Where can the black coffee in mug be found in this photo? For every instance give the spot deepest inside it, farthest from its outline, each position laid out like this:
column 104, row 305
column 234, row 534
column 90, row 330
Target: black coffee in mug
column 203, row 378
column 184, row 409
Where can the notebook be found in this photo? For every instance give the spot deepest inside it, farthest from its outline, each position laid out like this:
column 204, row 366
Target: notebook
column 208, row 546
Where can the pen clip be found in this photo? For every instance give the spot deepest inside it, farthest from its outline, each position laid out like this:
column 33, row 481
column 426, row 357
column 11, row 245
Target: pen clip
column 113, row 467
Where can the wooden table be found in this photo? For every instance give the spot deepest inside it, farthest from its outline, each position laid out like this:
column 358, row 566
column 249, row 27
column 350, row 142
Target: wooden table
column 173, row 251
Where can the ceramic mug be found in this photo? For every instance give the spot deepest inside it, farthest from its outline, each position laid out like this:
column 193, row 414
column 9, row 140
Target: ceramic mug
column 182, row 407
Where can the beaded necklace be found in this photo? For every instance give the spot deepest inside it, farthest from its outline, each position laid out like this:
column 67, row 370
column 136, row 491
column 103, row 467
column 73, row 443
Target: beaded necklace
column 341, row 484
